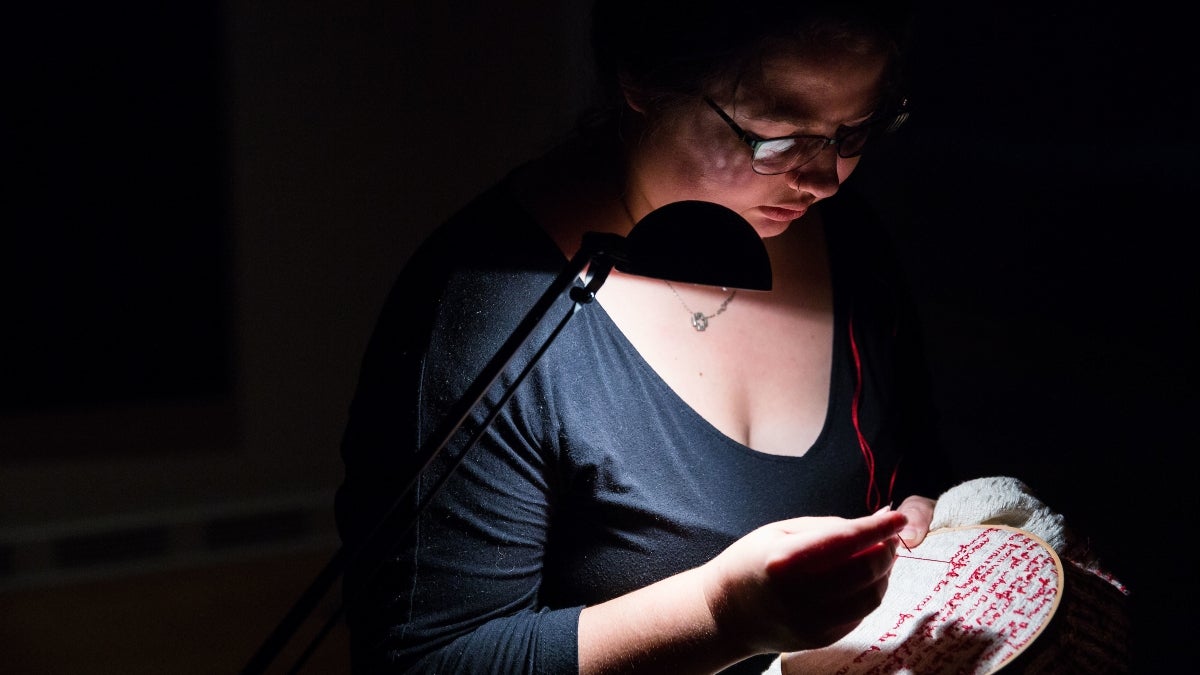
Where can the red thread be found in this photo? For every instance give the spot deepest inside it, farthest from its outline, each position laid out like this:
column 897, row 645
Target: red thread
column 868, row 455
column 917, row 557
column 892, row 481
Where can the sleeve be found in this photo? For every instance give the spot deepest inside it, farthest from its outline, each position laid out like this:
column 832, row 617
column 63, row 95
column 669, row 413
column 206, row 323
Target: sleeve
column 458, row 590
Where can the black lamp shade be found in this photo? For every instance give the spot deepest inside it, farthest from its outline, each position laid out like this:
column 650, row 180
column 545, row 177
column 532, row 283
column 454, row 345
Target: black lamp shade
column 697, row 242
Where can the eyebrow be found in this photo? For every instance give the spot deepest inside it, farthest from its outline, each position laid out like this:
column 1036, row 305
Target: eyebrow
column 774, row 118
column 785, row 114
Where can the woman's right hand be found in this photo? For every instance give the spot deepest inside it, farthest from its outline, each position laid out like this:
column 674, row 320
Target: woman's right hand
column 791, row 585
column 801, row 583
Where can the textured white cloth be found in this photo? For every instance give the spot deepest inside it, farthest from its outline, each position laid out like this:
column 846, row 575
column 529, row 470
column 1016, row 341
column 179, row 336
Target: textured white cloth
column 1000, row 500
column 1003, row 500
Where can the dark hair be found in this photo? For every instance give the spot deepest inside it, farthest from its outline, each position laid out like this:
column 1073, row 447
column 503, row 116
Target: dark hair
column 666, row 51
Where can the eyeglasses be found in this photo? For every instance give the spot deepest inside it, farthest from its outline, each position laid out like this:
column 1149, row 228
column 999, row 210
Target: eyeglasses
column 771, row 156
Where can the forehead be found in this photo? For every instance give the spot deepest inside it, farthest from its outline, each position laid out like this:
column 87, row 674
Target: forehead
column 800, row 86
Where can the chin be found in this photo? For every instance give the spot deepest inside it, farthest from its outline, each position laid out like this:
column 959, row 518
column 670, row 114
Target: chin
column 765, row 227
column 776, row 217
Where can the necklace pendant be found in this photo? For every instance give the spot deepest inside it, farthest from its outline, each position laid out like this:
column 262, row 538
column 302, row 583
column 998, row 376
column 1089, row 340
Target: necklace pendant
column 699, row 321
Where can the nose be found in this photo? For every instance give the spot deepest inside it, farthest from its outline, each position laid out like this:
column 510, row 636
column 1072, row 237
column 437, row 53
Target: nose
column 819, row 176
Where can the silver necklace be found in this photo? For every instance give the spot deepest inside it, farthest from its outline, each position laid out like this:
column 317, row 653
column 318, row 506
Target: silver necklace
column 700, row 319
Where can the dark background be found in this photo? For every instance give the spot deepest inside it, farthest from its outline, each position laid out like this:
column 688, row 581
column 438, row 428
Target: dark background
column 1044, row 218
column 119, row 219
column 210, row 202
column 1049, row 238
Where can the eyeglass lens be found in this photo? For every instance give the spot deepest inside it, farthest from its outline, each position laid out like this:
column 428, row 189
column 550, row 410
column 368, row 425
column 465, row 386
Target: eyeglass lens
column 784, row 154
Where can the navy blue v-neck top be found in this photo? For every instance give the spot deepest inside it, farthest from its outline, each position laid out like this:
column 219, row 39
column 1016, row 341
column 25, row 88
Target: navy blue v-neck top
column 595, row 478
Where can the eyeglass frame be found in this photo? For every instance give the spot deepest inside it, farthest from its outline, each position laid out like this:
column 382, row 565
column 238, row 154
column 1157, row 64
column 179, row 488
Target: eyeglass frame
column 754, row 142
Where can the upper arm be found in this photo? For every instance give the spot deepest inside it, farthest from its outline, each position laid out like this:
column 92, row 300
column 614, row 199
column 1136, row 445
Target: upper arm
column 459, row 586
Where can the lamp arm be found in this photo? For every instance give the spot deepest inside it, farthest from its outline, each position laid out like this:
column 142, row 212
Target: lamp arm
column 598, row 254
column 601, row 252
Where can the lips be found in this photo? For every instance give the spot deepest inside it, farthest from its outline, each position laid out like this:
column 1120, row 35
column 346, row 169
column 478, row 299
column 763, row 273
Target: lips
column 780, row 213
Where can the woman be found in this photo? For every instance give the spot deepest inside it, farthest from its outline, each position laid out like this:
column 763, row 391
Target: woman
column 691, row 479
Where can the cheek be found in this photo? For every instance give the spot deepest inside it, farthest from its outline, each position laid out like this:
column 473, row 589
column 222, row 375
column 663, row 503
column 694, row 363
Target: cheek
column 730, row 168
column 722, row 163
column 708, row 168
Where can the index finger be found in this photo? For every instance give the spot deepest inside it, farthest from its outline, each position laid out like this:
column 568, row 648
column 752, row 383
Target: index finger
column 838, row 542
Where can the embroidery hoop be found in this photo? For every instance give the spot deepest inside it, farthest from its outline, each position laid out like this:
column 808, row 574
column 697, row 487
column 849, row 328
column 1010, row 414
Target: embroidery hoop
column 967, row 600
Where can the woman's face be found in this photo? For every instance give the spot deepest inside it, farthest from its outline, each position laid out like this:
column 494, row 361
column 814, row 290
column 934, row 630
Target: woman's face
column 694, row 154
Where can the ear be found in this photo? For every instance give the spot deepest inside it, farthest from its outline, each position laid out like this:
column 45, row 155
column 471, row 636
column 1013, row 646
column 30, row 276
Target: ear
column 633, row 96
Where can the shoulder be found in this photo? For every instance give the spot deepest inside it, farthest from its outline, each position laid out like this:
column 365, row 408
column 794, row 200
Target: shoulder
column 474, row 276
column 493, row 233
column 491, row 248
